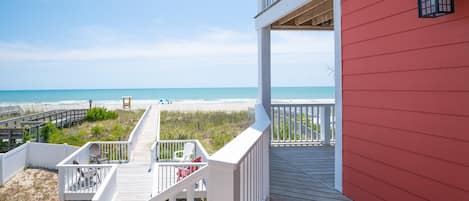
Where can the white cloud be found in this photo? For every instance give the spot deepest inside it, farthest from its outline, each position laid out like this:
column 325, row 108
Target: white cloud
column 219, row 46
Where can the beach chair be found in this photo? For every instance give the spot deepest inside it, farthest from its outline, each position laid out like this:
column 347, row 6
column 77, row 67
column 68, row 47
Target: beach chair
column 87, row 176
column 187, row 153
column 183, row 172
column 96, row 155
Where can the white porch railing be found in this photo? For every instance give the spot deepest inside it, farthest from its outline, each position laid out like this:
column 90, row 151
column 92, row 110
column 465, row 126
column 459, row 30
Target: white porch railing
column 240, row 170
column 267, row 3
column 82, row 181
column 115, row 152
column 163, row 150
column 109, row 189
column 167, row 175
column 172, row 179
column 190, row 187
column 300, row 124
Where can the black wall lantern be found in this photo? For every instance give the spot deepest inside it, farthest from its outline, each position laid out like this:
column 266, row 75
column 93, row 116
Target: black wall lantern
column 435, row 8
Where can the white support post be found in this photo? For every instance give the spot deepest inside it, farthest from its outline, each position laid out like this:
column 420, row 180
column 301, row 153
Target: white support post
column 325, row 124
column 338, row 94
column 129, row 152
column 264, row 98
column 190, row 194
column 264, row 63
column 61, row 183
column 223, row 181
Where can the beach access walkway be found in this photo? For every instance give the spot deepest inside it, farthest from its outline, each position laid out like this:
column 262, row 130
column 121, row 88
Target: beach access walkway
column 134, row 180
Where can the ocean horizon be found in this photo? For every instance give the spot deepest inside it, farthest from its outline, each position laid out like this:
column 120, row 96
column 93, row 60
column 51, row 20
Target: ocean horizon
column 173, row 94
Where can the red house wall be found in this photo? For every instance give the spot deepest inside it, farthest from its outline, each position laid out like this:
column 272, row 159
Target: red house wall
column 405, row 102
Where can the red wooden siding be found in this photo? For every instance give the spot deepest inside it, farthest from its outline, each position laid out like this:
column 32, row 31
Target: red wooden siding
column 405, row 102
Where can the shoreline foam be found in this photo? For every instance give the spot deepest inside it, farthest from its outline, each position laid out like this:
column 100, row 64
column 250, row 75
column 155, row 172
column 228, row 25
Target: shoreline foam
column 179, row 105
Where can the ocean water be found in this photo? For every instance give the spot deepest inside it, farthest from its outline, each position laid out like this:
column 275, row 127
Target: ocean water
column 174, row 94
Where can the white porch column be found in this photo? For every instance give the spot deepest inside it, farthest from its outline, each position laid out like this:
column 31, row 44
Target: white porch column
column 263, row 39
column 338, row 94
column 264, row 98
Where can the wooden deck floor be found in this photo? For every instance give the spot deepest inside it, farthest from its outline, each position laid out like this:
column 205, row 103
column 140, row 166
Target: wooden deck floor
column 303, row 173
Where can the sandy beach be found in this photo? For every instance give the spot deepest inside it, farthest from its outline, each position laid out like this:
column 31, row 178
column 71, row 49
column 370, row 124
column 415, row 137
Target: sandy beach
column 184, row 105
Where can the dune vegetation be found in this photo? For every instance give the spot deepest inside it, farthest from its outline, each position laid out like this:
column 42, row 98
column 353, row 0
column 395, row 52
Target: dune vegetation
column 212, row 129
column 100, row 125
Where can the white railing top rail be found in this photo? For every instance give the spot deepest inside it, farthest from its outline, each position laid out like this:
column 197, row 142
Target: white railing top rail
column 182, row 163
column 158, row 124
column 237, row 149
column 137, row 126
column 306, row 102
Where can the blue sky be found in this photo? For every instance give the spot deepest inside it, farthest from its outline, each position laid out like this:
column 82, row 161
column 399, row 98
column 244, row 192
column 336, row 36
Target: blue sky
column 55, row 44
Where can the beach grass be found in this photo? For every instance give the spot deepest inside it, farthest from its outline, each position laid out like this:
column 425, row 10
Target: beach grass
column 212, row 129
column 31, row 184
column 98, row 130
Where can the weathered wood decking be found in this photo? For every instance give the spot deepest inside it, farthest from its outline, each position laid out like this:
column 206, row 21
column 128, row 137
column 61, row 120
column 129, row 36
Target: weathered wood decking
column 303, row 173
column 134, row 181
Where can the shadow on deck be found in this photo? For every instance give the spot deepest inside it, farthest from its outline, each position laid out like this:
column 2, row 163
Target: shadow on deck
column 303, row 173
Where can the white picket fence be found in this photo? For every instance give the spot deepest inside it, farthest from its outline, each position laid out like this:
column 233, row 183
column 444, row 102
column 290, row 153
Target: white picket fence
column 31, row 154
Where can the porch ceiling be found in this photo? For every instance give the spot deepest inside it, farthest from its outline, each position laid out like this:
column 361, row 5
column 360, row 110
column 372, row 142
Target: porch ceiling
column 315, row 15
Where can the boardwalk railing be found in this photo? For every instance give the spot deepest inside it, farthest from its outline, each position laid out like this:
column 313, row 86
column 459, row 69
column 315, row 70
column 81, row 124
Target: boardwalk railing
column 137, row 128
column 16, row 128
column 59, row 117
column 301, row 124
column 87, row 181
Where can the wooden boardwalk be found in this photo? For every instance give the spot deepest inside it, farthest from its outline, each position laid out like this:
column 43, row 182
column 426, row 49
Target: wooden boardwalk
column 134, row 181
column 303, row 173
